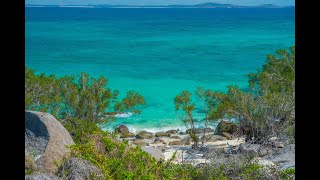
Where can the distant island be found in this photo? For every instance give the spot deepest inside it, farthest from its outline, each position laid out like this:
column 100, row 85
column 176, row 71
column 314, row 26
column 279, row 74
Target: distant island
column 202, row 5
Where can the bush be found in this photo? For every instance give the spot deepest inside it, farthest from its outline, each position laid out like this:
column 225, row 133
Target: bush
column 268, row 109
column 80, row 97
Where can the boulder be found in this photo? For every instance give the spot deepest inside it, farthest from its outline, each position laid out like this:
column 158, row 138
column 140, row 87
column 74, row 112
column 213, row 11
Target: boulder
column 225, row 126
column 174, row 143
column 144, row 135
column 139, row 142
column 172, row 131
column 127, row 135
column 42, row 176
column 78, row 169
column 200, row 130
column 186, row 141
column 226, row 135
column 157, row 140
column 175, row 137
column 251, row 150
column 46, row 140
column 122, row 129
column 162, row 134
column 154, row 152
column 213, row 138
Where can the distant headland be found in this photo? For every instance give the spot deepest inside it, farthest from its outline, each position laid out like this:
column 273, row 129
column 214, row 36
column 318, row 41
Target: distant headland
column 202, row 5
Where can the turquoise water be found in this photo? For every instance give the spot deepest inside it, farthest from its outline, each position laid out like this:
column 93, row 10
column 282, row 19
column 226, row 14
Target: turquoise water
column 157, row 52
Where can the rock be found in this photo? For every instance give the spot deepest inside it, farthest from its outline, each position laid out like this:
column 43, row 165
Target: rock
column 264, row 152
column 144, row 135
column 283, row 157
column 162, row 134
column 164, row 142
column 175, row 143
column 122, row 129
column 46, row 140
column 186, row 141
column 278, row 145
column 78, row 169
column 200, row 130
column 213, row 138
column 158, row 140
column 172, row 131
column 42, row 176
column 225, row 126
column 156, row 153
column 139, row 142
column 175, row 137
column 226, row 135
column 251, row 150
column 182, row 133
column 127, row 135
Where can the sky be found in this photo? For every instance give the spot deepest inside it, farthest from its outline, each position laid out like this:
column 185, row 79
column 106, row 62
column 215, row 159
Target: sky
column 160, row 2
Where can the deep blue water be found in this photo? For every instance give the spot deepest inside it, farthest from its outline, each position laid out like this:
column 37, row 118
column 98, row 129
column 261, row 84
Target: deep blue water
column 157, row 52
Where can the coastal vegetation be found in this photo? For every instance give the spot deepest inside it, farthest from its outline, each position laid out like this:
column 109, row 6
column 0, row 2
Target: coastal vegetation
column 81, row 103
column 82, row 97
column 267, row 110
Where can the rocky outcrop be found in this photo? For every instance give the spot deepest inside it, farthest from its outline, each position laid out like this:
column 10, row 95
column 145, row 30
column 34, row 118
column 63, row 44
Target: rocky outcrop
column 42, row 176
column 225, row 126
column 79, row 169
column 144, row 135
column 46, row 140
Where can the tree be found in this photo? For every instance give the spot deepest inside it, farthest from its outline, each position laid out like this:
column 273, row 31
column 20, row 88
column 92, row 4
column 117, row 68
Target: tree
column 183, row 102
column 267, row 110
column 82, row 97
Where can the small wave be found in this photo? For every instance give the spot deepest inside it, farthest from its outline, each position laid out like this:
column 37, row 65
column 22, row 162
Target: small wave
column 124, row 115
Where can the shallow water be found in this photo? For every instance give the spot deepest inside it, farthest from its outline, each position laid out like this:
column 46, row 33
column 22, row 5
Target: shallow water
column 157, row 52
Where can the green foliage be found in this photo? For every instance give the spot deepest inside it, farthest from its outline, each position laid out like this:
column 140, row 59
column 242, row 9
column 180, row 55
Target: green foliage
column 268, row 109
column 118, row 160
column 287, row 174
column 80, row 130
column 130, row 102
column 80, row 97
column 183, row 102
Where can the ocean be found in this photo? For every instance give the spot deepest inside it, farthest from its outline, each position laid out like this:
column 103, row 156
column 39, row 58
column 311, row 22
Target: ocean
column 158, row 52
